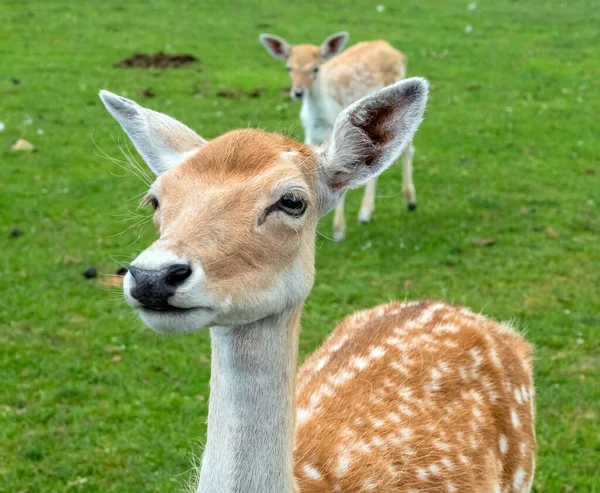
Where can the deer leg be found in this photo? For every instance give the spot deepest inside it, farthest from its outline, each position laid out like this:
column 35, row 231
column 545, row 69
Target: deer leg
column 339, row 221
column 408, row 187
column 368, row 202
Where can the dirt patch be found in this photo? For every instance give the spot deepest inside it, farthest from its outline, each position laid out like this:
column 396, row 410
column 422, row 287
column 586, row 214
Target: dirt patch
column 156, row 60
column 257, row 92
column 229, row 94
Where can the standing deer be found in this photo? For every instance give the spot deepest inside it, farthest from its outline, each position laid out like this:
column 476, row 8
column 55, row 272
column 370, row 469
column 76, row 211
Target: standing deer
column 327, row 81
column 405, row 397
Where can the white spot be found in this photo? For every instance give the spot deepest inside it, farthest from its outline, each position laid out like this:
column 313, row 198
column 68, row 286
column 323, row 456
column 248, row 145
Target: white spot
column 503, row 444
column 451, row 488
column 448, row 463
column 321, row 363
column 302, row 416
column 380, row 8
column 464, row 459
column 360, row 363
column 39, row 131
column 515, row 418
column 435, row 374
column 342, row 465
column 378, row 423
column 468, row 29
column 377, row 352
column 477, row 413
column 311, row 472
column 422, row 474
column 336, row 347
column 462, row 372
column 497, row 489
column 406, row 432
column 518, row 479
column 518, row 397
column 524, row 392
column 377, row 441
column 476, row 355
column 434, row 468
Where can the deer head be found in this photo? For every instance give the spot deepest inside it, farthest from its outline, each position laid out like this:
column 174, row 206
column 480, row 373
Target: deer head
column 237, row 215
column 303, row 61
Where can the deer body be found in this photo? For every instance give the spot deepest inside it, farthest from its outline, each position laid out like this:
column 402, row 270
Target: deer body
column 416, row 396
column 328, row 80
column 420, row 397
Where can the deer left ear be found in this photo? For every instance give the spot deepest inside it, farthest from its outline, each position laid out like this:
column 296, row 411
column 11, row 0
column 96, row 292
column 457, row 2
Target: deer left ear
column 161, row 140
column 333, row 45
column 370, row 135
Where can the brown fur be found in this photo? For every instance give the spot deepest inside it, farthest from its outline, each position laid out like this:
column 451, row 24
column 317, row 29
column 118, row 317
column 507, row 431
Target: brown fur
column 415, row 397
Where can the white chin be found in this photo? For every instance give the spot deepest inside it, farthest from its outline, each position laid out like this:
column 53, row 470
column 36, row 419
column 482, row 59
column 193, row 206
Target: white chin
column 178, row 322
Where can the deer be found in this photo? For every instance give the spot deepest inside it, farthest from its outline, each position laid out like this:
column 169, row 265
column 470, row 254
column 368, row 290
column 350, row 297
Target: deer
column 328, row 79
column 414, row 396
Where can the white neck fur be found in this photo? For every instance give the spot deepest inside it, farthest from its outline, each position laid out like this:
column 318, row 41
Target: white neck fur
column 251, row 413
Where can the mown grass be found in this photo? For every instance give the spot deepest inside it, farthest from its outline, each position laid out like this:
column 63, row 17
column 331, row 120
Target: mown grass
column 91, row 402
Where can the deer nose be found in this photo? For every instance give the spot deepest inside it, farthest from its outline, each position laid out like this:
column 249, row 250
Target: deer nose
column 298, row 93
column 153, row 288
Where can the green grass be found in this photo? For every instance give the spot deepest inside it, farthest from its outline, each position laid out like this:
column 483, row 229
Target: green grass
column 91, row 402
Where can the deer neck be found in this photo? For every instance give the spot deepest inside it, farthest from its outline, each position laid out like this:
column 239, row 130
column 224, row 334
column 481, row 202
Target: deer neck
column 251, row 409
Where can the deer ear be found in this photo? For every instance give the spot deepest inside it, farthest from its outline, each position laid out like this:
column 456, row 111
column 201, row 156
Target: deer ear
column 161, row 140
column 333, row 45
column 277, row 47
column 371, row 134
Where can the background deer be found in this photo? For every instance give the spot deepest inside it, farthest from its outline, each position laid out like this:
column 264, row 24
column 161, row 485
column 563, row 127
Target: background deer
column 418, row 396
column 327, row 81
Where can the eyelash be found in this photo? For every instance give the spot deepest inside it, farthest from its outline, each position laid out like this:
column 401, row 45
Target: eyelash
column 151, row 200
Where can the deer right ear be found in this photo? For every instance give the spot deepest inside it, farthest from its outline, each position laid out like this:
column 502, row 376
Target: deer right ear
column 161, row 140
column 277, row 47
column 369, row 135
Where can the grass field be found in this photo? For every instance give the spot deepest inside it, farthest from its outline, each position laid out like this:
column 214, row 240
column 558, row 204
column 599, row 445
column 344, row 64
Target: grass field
column 92, row 402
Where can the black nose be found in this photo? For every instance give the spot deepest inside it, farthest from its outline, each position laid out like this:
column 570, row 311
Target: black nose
column 153, row 288
column 298, row 93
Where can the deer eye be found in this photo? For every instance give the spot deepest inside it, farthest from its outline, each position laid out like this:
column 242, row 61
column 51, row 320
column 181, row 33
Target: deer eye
column 292, row 205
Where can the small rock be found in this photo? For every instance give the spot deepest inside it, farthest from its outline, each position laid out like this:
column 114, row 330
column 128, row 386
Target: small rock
column 16, row 232
column 122, row 271
column 468, row 29
column 22, row 145
column 39, row 131
column 90, row 273
column 484, row 241
column 472, row 6
column 380, row 8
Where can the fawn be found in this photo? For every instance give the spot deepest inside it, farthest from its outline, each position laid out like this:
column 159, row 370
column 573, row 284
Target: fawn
column 328, row 80
column 406, row 397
